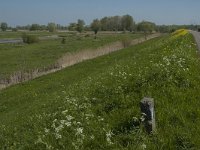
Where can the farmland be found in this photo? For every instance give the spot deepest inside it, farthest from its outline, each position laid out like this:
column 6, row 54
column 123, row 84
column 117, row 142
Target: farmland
column 94, row 104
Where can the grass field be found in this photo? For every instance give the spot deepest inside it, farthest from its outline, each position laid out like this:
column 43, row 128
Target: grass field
column 24, row 57
column 18, row 34
column 95, row 104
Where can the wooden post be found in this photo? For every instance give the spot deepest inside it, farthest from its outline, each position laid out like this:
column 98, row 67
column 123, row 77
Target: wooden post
column 147, row 108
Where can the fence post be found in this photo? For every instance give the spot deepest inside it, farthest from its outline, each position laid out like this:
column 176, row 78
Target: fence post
column 147, row 108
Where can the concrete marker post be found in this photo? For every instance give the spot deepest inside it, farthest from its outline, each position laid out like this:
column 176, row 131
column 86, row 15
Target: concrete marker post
column 147, row 108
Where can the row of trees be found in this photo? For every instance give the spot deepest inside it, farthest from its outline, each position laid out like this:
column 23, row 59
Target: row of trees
column 113, row 23
column 117, row 23
column 172, row 28
column 51, row 27
column 122, row 23
column 79, row 26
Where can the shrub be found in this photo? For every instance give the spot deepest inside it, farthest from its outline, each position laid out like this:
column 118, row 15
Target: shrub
column 87, row 35
column 63, row 40
column 126, row 42
column 79, row 38
column 14, row 29
column 29, row 39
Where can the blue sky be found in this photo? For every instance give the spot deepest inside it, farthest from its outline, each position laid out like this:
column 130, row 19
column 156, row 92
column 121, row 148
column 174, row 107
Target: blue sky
column 23, row 12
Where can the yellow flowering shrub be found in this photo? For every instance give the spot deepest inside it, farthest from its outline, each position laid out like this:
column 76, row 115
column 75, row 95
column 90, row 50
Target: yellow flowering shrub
column 180, row 32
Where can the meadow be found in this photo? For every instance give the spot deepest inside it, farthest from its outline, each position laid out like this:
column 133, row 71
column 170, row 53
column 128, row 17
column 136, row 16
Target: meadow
column 26, row 57
column 18, row 34
column 95, row 104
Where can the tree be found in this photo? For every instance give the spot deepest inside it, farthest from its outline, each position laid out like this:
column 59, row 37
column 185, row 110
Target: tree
column 43, row 27
column 72, row 27
column 35, row 27
column 163, row 28
column 116, row 23
column 128, row 23
column 104, row 24
column 4, row 26
column 80, row 25
column 95, row 26
column 51, row 27
column 27, row 27
column 111, row 23
column 146, row 27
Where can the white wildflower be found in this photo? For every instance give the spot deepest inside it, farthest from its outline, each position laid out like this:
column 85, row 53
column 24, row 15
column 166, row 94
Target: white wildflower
column 92, row 137
column 59, row 128
column 68, row 124
column 64, row 112
column 143, row 146
column 46, row 130
column 58, row 136
column 135, row 119
column 79, row 131
column 69, row 117
column 78, row 123
column 108, row 137
column 62, row 121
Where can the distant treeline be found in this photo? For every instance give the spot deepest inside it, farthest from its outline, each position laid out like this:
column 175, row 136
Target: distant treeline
column 112, row 23
column 172, row 28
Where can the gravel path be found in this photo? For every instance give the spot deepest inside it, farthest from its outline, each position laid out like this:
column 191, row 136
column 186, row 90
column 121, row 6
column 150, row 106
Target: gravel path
column 197, row 37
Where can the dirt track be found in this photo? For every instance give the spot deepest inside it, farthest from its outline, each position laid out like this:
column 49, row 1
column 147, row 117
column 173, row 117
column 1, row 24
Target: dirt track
column 71, row 59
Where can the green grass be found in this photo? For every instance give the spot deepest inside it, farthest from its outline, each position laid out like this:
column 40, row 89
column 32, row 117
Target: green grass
column 24, row 57
column 11, row 35
column 18, row 34
column 95, row 104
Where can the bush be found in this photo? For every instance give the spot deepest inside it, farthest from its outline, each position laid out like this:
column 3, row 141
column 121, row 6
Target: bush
column 126, row 42
column 29, row 39
column 14, row 29
column 87, row 35
column 63, row 40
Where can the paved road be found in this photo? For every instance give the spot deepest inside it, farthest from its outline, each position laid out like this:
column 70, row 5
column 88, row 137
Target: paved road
column 197, row 37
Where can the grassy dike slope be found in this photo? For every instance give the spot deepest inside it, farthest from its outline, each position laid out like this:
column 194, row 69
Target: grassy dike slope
column 95, row 104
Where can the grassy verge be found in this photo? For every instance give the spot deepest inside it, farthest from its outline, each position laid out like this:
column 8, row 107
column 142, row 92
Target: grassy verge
column 24, row 57
column 94, row 104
